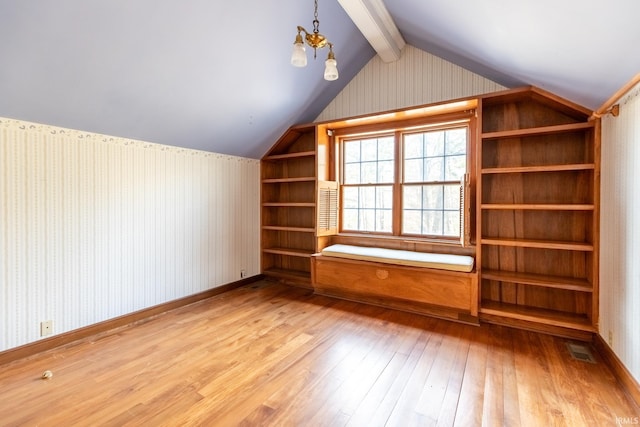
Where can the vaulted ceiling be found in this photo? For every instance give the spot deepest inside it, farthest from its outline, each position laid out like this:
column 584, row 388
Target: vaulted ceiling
column 215, row 75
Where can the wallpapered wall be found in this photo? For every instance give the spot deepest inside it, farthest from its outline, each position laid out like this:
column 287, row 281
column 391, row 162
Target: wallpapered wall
column 94, row 227
column 620, row 232
column 417, row 78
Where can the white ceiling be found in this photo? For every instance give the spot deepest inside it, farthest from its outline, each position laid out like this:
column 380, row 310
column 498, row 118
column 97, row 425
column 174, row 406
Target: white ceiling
column 215, row 75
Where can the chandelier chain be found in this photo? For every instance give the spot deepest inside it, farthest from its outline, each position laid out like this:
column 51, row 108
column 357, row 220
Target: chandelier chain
column 316, row 23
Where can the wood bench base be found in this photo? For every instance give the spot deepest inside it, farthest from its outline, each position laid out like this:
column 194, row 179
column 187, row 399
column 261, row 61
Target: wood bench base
column 440, row 293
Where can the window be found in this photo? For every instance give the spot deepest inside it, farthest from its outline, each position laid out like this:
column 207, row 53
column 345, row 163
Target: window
column 405, row 182
column 368, row 179
column 434, row 163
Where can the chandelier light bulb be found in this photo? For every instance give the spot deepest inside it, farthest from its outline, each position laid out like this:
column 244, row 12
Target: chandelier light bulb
column 330, row 70
column 299, row 55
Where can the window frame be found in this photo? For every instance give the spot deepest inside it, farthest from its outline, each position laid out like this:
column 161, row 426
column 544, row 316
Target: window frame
column 392, row 184
column 466, row 119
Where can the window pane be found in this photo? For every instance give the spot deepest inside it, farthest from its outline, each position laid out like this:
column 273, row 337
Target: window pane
column 369, row 149
column 455, row 167
column 434, row 169
column 413, row 144
column 413, row 170
column 367, row 220
column 384, row 214
column 352, row 173
column 369, row 173
column 431, row 210
column 386, row 148
column 369, row 161
column 350, row 197
column 451, row 223
column 384, row 197
column 350, row 219
column 432, row 197
column 385, row 171
column 367, row 198
column 412, row 197
column 456, row 141
column 351, row 151
column 452, row 197
column 368, row 208
column 432, row 222
column 384, row 221
column 412, row 222
column 434, row 143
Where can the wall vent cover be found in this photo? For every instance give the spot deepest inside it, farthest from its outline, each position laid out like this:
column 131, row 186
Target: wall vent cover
column 581, row 352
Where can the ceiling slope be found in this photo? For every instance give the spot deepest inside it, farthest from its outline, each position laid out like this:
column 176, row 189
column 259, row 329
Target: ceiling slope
column 208, row 75
column 215, row 76
column 581, row 50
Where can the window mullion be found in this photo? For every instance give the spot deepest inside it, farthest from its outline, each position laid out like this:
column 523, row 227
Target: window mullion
column 397, row 186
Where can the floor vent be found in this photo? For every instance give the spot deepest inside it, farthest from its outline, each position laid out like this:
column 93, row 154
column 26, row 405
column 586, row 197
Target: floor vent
column 581, row 352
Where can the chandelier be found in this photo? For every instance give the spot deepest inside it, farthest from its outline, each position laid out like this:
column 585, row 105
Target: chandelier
column 316, row 41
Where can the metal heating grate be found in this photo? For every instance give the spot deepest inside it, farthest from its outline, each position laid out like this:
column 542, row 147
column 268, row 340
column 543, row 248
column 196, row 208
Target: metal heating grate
column 581, row 352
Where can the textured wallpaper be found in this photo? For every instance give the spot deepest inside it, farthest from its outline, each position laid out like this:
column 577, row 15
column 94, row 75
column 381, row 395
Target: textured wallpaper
column 94, row 227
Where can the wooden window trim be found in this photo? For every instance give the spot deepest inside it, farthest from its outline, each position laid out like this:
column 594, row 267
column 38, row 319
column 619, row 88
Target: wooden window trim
column 465, row 118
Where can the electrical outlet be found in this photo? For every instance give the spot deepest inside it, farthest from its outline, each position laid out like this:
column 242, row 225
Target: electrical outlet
column 243, row 274
column 46, row 328
column 610, row 340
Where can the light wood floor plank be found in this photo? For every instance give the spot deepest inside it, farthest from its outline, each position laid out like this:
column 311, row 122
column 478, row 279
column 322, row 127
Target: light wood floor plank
column 271, row 355
column 472, row 400
column 447, row 414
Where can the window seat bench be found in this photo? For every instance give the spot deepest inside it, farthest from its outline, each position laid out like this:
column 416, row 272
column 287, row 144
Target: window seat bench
column 441, row 285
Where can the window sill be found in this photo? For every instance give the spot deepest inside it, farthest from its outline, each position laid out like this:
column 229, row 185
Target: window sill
column 404, row 241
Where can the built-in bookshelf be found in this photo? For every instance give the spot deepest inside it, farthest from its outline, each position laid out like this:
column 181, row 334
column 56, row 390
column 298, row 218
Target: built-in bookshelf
column 537, row 212
column 288, row 192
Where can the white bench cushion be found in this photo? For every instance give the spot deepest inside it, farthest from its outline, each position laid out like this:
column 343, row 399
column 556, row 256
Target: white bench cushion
column 462, row 263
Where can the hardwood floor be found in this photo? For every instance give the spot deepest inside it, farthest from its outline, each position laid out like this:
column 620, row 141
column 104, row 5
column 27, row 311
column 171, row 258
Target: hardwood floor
column 267, row 354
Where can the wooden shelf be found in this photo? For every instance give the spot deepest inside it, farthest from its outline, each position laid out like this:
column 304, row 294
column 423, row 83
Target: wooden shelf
column 287, row 228
column 542, row 168
column 537, row 315
column 540, row 244
column 537, row 162
column 535, row 94
column 289, row 173
column 556, row 282
column 537, row 207
column 290, row 155
column 544, row 130
column 289, row 205
column 289, row 252
column 285, row 180
column 303, row 276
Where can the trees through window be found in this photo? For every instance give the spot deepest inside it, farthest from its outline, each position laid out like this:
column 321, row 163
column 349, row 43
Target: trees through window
column 405, row 182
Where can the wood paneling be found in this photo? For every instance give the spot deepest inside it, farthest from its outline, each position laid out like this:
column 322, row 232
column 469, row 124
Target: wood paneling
column 269, row 354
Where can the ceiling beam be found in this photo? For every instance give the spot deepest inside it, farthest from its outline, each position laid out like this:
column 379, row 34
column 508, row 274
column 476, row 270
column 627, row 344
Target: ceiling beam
column 375, row 23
